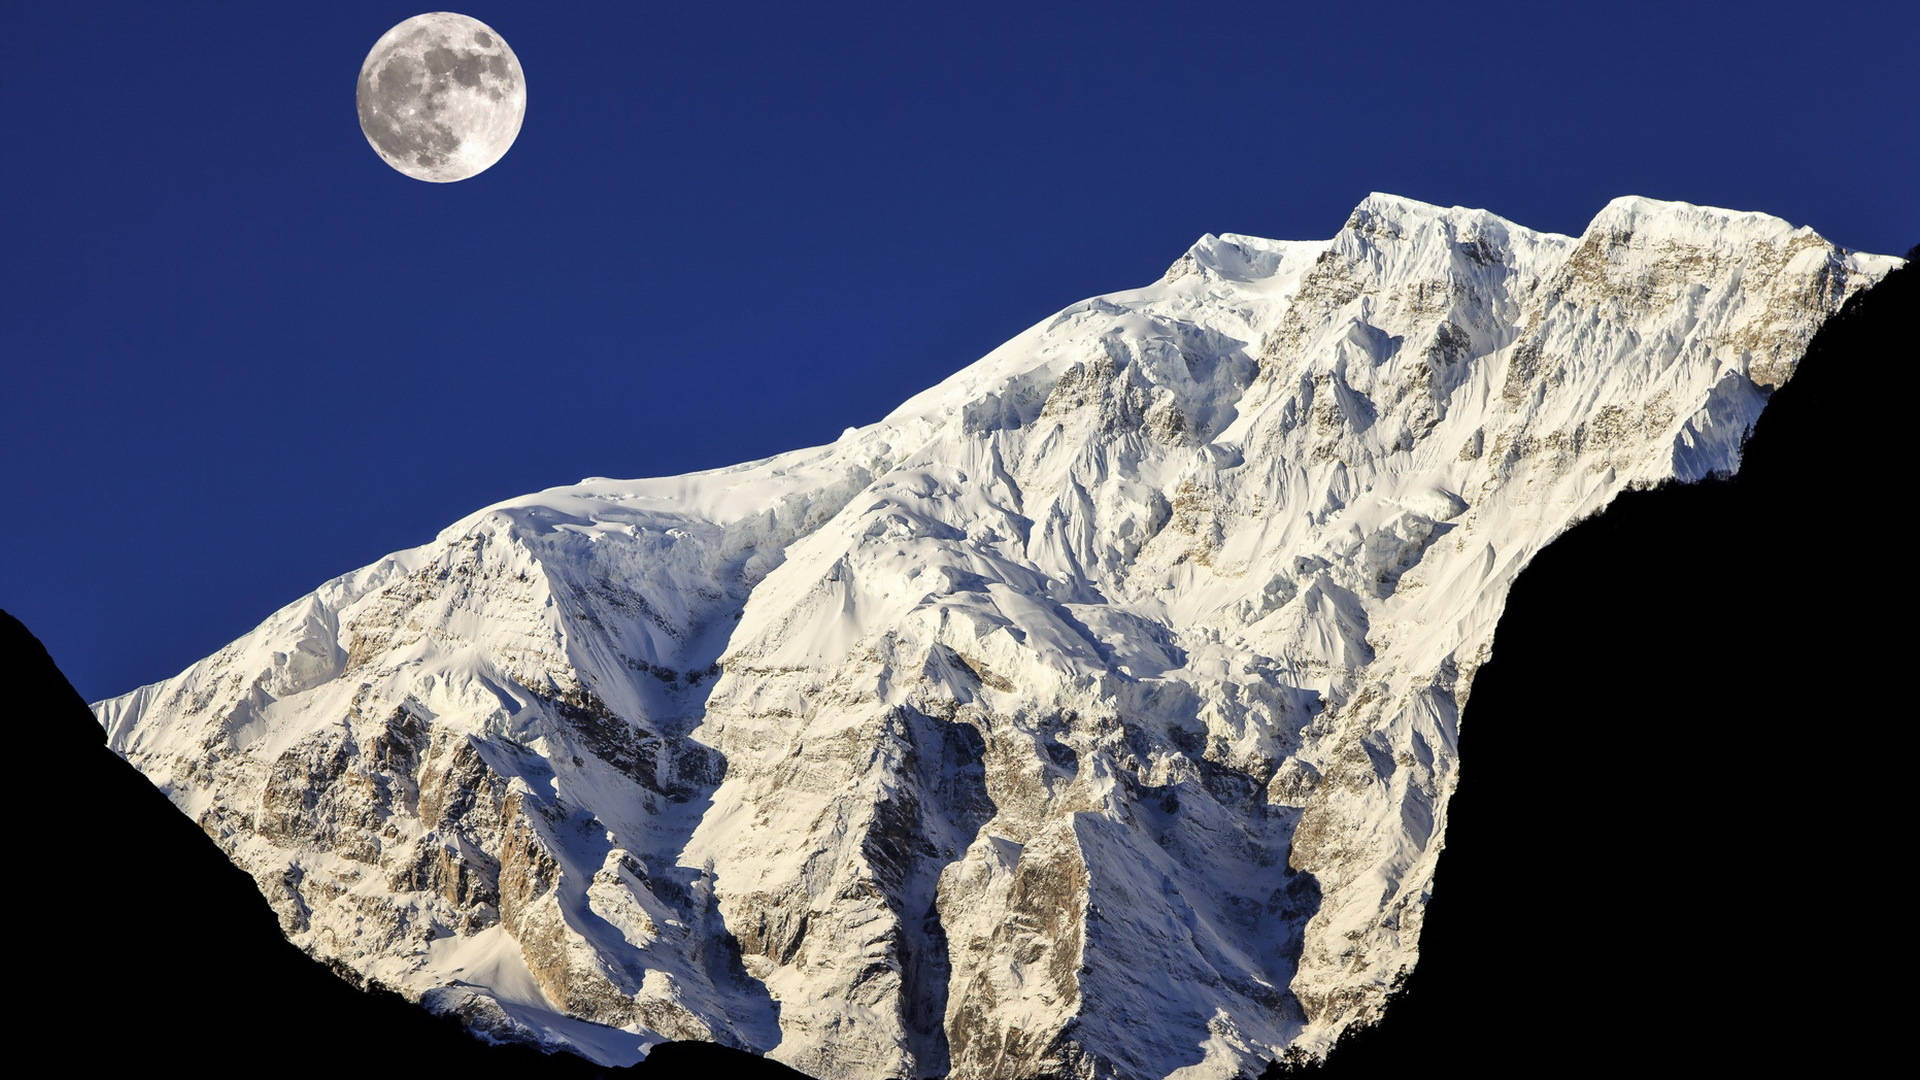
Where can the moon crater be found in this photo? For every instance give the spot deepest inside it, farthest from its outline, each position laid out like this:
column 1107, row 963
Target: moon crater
column 441, row 97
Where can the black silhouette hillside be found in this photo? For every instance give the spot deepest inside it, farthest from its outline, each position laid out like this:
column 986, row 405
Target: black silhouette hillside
column 1680, row 797
column 150, row 952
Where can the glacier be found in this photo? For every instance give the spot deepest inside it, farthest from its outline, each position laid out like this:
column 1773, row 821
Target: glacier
column 1093, row 714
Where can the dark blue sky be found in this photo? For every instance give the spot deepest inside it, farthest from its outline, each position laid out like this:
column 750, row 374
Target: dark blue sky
column 242, row 355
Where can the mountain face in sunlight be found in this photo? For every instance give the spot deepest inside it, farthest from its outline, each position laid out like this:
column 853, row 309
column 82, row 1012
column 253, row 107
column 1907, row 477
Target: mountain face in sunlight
column 1094, row 713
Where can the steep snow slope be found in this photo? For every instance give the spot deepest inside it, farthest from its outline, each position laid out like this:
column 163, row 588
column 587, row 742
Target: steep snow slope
column 1092, row 714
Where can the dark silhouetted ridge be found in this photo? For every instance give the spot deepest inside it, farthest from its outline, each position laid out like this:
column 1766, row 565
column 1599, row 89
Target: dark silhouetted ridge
column 1683, row 771
column 148, row 950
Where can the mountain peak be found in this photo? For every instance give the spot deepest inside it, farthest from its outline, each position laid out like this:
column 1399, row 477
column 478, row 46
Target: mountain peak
column 1237, row 257
column 1656, row 220
column 1381, row 207
column 1399, row 207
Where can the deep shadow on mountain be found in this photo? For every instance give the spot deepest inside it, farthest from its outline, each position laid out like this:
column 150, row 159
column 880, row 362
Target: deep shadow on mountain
column 148, row 950
column 1679, row 801
column 1670, row 844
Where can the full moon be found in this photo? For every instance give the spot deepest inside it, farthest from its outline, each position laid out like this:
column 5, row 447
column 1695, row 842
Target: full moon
column 441, row 97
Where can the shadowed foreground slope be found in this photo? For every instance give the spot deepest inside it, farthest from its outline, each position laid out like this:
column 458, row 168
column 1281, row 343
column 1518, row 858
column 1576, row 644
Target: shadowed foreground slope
column 1666, row 843
column 169, row 957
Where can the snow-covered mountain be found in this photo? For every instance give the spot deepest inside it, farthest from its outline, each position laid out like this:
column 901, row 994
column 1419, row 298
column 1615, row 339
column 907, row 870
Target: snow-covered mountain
column 1092, row 714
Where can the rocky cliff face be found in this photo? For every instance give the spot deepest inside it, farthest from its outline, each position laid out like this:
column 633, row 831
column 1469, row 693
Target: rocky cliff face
column 1093, row 714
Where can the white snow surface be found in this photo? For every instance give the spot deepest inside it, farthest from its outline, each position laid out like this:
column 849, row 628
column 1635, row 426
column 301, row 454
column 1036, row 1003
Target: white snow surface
column 1092, row 714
